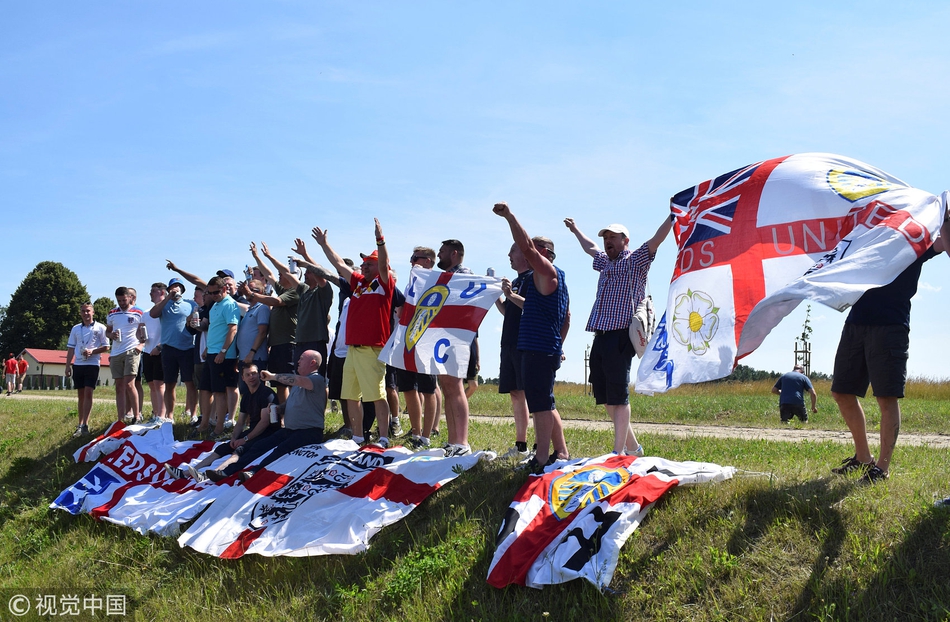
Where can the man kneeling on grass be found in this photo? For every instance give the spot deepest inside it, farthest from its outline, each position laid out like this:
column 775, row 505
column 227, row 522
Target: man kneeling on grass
column 256, row 398
column 302, row 419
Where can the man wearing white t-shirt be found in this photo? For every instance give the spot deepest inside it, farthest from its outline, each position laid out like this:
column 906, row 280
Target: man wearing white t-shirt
column 152, row 354
column 122, row 328
column 87, row 340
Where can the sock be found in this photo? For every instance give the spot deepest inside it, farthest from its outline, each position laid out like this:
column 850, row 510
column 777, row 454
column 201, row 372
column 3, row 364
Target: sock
column 521, row 445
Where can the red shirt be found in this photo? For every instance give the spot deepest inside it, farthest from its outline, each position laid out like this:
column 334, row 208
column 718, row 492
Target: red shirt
column 10, row 366
column 23, row 365
column 367, row 321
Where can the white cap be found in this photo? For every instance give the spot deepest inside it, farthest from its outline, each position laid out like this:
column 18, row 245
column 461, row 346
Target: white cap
column 616, row 229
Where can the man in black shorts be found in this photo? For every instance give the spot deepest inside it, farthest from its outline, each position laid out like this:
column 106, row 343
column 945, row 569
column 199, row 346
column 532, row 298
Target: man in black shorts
column 873, row 350
column 87, row 340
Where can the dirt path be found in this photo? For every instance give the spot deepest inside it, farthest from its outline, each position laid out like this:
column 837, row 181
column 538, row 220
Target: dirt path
column 785, row 435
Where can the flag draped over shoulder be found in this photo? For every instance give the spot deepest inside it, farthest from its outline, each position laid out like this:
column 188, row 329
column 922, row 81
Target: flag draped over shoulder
column 571, row 522
column 321, row 500
column 755, row 242
column 438, row 323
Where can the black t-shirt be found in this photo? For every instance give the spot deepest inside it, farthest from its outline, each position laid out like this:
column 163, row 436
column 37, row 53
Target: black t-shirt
column 512, row 322
column 252, row 403
column 890, row 304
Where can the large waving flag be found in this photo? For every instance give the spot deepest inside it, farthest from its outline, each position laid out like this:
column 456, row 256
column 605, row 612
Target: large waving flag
column 571, row 522
column 755, row 242
column 443, row 311
column 321, row 500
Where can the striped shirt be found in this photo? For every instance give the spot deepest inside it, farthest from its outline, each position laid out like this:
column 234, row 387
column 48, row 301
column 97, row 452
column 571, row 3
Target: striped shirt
column 543, row 316
column 620, row 288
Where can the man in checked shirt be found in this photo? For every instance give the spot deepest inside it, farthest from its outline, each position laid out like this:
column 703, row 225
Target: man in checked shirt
column 620, row 288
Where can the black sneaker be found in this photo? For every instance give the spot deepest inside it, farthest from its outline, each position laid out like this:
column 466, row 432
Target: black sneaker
column 344, row 432
column 852, row 464
column 873, row 475
column 215, row 476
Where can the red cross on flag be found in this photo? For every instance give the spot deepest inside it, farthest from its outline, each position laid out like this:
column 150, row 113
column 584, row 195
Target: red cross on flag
column 439, row 321
column 755, row 242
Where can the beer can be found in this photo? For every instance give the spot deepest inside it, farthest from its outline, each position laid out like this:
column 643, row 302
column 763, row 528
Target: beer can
column 491, row 272
column 118, row 334
column 273, row 413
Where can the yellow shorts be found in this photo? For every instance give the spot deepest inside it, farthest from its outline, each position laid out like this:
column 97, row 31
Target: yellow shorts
column 364, row 375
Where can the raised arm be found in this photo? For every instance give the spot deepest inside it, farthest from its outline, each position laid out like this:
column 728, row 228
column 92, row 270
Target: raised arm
column 545, row 276
column 320, row 235
column 660, row 235
column 382, row 253
column 590, row 247
column 265, row 271
column 282, row 269
column 188, row 276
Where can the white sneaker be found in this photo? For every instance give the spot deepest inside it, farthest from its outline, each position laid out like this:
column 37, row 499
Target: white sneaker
column 228, row 424
column 515, row 453
column 454, row 450
column 194, row 474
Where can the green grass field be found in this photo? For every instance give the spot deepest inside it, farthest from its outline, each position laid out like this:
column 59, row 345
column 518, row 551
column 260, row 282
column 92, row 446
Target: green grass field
column 783, row 540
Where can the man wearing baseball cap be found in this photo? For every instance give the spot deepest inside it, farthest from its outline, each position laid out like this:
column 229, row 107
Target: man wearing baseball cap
column 178, row 345
column 620, row 288
column 367, row 330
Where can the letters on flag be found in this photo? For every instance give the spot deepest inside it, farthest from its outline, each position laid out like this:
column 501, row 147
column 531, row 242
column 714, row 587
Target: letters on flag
column 322, row 499
column 571, row 522
column 443, row 311
column 755, row 242
column 317, row 500
column 130, row 485
column 110, row 440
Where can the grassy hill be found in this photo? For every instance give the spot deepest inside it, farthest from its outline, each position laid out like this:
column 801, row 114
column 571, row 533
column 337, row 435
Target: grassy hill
column 783, row 540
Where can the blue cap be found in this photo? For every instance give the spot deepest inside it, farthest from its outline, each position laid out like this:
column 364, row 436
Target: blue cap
column 177, row 282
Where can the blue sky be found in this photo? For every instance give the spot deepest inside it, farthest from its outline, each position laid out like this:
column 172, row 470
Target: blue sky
column 135, row 132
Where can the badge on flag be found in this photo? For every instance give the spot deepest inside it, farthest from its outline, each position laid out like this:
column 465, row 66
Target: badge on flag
column 442, row 313
column 755, row 242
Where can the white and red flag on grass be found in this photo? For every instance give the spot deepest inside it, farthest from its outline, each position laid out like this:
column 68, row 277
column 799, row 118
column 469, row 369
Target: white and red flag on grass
column 571, row 522
column 131, row 487
column 755, row 242
column 110, row 440
column 321, row 500
column 443, row 311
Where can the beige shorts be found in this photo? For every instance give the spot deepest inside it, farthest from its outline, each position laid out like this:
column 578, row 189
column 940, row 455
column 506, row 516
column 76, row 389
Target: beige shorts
column 125, row 364
column 364, row 375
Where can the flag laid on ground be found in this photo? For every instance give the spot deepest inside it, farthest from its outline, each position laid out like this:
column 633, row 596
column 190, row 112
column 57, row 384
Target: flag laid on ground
column 321, row 500
column 438, row 322
column 571, row 522
column 131, row 487
column 110, row 440
column 755, row 242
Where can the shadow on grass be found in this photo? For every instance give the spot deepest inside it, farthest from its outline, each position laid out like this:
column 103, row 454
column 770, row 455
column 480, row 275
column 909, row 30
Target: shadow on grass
column 911, row 582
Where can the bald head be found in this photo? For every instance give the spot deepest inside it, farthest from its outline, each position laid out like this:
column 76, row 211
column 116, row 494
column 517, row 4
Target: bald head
column 309, row 362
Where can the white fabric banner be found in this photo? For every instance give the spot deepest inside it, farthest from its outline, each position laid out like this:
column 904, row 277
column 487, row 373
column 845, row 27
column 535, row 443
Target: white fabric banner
column 442, row 313
column 571, row 522
column 321, row 500
column 755, row 242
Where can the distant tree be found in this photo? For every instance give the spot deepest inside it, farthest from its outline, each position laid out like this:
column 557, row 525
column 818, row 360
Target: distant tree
column 42, row 309
column 101, row 308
